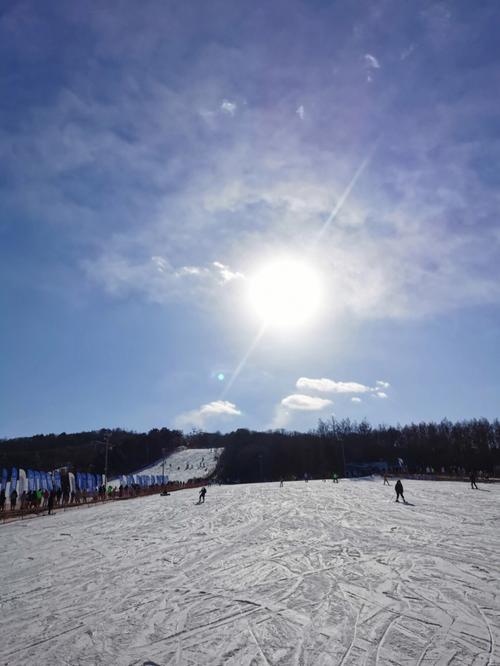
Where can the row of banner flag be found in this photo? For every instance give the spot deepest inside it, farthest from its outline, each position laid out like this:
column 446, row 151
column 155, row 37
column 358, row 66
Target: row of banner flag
column 35, row 480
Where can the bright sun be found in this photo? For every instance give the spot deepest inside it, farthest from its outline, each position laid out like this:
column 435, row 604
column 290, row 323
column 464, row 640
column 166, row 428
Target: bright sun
column 285, row 293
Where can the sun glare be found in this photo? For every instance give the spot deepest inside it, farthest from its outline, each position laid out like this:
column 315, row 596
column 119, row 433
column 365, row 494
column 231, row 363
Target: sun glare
column 285, row 293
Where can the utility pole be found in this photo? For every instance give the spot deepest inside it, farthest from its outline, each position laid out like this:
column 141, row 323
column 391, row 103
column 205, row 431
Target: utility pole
column 163, row 466
column 106, row 442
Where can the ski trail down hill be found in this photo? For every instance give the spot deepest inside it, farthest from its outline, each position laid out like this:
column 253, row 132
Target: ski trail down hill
column 200, row 462
column 311, row 573
column 184, row 464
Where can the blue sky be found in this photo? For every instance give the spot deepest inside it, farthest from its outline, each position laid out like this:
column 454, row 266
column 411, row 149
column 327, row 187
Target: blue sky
column 155, row 156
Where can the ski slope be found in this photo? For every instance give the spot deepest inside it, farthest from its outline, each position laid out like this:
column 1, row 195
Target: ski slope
column 315, row 573
column 202, row 462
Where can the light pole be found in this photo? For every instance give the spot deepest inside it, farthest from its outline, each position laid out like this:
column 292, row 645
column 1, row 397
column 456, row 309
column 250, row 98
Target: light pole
column 106, row 442
column 163, row 467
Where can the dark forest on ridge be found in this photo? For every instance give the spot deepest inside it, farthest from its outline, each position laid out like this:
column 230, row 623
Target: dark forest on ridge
column 255, row 456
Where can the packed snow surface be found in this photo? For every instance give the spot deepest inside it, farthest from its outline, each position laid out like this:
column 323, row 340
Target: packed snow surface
column 311, row 573
column 184, row 464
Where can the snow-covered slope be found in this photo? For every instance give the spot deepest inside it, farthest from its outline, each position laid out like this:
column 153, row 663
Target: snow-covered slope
column 313, row 573
column 181, row 465
column 184, row 464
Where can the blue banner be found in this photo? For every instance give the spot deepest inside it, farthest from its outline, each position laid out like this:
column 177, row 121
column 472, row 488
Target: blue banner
column 13, row 479
column 49, row 481
column 57, row 480
column 90, row 482
column 43, row 480
column 38, row 480
column 5, row 474
column 31, row 480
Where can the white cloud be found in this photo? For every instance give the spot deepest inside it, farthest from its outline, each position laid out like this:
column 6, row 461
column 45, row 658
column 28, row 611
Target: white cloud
column 381, row 394
column 226, row 273
column 206, row 413
column 228, row 107
column 306, row 403
column 329, row 386
column 371, row 62
column 382, row 384
column 301, row 112
column 407, row 52
column 157, row 278
column 356, row 400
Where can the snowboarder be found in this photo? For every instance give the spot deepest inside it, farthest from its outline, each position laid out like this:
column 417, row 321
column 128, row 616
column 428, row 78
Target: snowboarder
column 386, row 482
column 399, row 491
column 203, row 492
column 472, row 478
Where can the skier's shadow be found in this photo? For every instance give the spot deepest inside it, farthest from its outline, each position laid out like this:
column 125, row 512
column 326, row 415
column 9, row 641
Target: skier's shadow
column 484, row 490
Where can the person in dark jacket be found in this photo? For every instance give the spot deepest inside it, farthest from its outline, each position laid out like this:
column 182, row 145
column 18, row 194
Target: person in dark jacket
column 203, row 492
column 472, row 478
column 50, row 501
column 399, row 491
column 13, row 500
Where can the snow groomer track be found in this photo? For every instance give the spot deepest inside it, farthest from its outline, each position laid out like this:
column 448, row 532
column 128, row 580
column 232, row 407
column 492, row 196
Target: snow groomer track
column 314, row 573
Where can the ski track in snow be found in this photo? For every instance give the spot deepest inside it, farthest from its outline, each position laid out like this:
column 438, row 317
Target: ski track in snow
column 314, row 573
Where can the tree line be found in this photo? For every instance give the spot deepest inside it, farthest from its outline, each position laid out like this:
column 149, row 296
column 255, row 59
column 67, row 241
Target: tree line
column 332, row 446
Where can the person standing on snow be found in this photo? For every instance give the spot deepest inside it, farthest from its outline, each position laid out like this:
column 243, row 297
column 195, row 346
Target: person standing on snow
column 50, row 501
column 386, row 482
column 472, row 478
column 203, row 492
column 399, row 491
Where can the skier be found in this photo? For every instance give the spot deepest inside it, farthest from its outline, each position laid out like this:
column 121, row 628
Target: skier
column 399, row 491
column 335, row 478
column 13, row 500
column 281, row 483
column 386, row 482
column 472, row 478
column 203, row 492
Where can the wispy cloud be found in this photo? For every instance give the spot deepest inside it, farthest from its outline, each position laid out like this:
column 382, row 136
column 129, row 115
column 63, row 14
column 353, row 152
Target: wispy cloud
column 330, row 386
column 157, row 278
column 207, row 414
column 382, row 384
column 371, row 61
column 228, row 107
column 325, row 385
column 226, row 273
column 300, row 402
column 301, row 112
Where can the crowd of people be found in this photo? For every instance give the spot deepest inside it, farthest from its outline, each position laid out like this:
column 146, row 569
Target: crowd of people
column 34, row 501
